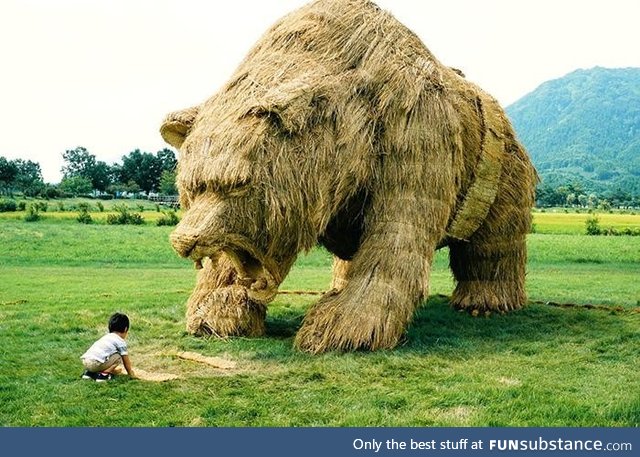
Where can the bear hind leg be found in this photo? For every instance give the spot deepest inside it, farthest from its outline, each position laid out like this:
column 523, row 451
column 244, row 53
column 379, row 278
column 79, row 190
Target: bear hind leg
column 490, row 274
column 340, row 271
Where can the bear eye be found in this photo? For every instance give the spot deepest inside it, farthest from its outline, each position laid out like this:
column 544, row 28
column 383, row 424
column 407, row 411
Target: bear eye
column 224, row 188
column 230, row 187
column 199, row 189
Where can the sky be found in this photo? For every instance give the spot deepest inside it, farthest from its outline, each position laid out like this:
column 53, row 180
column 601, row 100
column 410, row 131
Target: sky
column 103, row 74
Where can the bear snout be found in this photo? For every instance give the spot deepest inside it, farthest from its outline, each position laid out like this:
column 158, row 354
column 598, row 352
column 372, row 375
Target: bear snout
column 183, row 243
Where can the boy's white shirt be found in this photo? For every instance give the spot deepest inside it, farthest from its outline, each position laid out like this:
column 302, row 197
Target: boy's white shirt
column 105, row 347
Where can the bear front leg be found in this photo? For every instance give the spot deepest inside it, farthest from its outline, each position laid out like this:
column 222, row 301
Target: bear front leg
column 220, row 307
column 385, row 282
column 411, row 192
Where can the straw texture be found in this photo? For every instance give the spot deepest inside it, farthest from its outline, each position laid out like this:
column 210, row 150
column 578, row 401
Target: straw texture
column 341, row 127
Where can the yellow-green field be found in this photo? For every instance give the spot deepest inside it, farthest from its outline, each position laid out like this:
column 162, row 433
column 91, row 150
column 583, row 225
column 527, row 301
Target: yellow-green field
column 572, row 223
column 150, row 211
column 547, row 221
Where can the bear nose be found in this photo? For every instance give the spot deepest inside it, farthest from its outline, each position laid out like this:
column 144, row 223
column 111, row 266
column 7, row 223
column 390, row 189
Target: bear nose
column 183, row 243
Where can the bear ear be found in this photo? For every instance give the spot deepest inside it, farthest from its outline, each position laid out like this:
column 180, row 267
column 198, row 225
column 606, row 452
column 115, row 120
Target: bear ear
column 176, row 126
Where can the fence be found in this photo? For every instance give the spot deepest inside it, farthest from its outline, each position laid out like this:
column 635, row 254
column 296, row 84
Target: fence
column 171, row 201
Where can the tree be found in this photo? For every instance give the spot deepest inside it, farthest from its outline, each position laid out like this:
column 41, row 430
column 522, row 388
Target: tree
column 562, row 195
column 604, row 205
column 582, row 200
column 546, row 195
column 119, row 187
column 28, row 178
column 78, row 162
column 167, row 159
column 8, row 173
column 115, row 175
column 619, row 197
column 76, row 185
column 132, row 187
column 168, row 183
column 50, row 191
column 101, row 176
column 81, row 163
column 571, row 199
column 143, row 168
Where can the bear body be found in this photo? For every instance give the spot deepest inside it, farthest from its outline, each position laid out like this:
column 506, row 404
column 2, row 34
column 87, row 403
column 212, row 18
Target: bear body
column 340, row 127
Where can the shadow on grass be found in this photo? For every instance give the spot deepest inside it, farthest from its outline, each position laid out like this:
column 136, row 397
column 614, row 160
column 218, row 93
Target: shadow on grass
column 285, row 324
column 439, row 329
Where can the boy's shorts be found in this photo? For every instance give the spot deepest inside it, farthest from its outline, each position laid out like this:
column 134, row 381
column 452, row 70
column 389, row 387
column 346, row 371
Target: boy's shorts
column 96, row 366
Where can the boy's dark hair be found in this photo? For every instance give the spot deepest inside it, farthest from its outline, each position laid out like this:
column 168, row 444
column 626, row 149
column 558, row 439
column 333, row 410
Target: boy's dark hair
column 118, row 323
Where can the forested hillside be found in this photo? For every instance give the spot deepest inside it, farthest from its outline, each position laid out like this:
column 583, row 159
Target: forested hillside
column 583, row 130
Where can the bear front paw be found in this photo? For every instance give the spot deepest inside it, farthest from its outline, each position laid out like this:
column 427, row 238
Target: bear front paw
column 224, row 312
column 343, row 323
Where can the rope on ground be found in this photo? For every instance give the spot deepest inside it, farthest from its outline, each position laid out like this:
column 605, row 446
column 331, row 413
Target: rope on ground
column 300, row 292
column 609, row 308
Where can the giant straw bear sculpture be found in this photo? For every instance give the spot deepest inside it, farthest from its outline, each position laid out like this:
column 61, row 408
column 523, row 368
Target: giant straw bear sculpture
column 340, row 127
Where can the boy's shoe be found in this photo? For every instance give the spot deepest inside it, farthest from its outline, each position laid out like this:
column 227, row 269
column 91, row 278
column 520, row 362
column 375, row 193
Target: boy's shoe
column 103, row 377
column 89, row 375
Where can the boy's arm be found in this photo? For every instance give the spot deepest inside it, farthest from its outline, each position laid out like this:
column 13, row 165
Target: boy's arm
column 126, row 361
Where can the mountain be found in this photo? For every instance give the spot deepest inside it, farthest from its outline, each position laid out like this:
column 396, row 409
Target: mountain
column 584, row 128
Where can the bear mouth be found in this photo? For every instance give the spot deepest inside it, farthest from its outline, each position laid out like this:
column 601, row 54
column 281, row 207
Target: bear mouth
column 257, row 276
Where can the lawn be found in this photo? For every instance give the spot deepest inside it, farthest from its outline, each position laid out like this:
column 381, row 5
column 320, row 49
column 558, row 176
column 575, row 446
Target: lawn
column 546, row 365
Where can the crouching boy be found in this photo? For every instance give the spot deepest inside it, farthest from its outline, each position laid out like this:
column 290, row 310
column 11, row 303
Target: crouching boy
column 102, row 359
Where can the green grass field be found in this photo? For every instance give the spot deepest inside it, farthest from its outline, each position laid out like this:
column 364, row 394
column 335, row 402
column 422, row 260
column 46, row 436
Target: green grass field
column 543, row 366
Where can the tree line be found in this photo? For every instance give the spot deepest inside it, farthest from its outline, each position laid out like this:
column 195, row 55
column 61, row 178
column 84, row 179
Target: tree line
column 574, row 195
column 83, row 174
column 145, row 172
